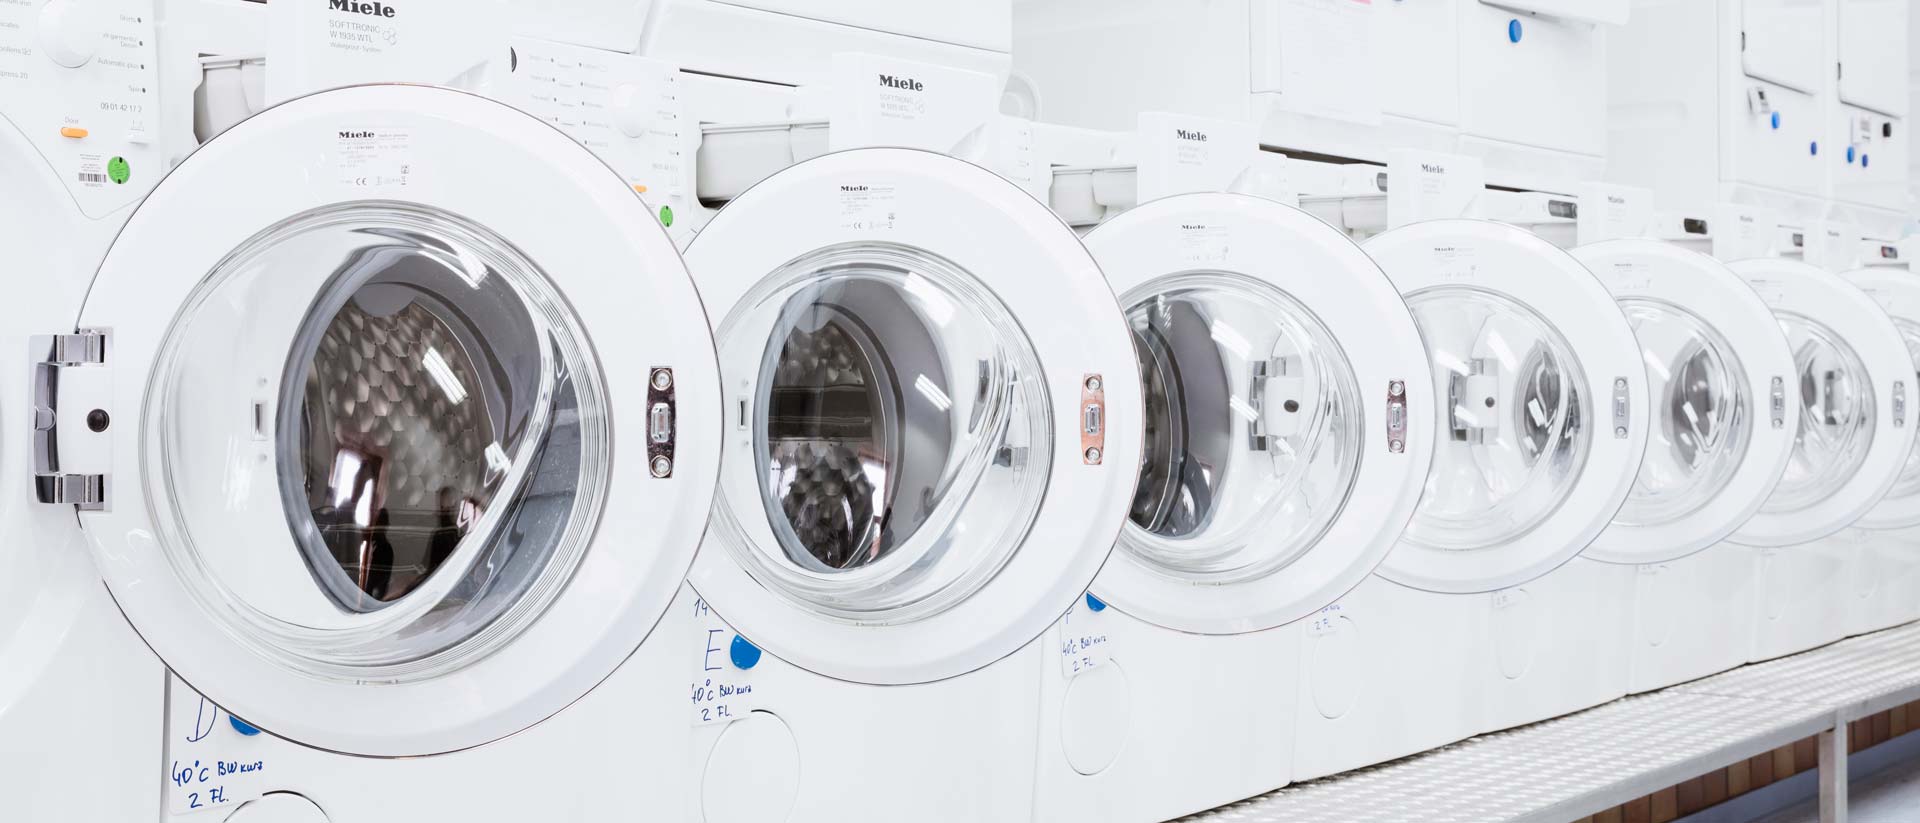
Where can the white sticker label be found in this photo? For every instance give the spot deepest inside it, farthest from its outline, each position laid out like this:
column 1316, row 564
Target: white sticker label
column 1773, row 292
column 1456, row 262
column 722, row 687
column 1181, row 155
column 212, row 760
column 1203, row 243
column 1629, row 276
column 1428, row 185
column 1084, row 643
column 881, row 101
column 1610, row 212
column 373, row 158
column 865, row 206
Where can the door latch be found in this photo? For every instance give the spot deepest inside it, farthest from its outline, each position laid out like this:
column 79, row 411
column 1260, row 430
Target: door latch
column 71, row 447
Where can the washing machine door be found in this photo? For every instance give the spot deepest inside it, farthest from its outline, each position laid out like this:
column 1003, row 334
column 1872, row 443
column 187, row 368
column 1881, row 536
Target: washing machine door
column 405, row 418
column 1288, row 424
column 1544, row 410
column 1719, row 373
column 1898, row 294
column 933, row 416
column 1854, row 381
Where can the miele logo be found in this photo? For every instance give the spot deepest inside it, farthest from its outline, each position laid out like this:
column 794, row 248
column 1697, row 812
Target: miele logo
column 1433, row 168
column 355, row 135
column 1195, row 136
column 905, row 83
column 1616, row 199
column 853, row 188
column 371, row 8
column 1193, row 226
column 1443, row 249
column 1746, row 218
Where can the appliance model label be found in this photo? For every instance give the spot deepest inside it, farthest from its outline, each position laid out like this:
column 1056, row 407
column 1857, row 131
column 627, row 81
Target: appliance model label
column 321, row 44
column 722, row 687
column 1084, row 642
column 867, row 206
column 1180, row 154
column 1628, row 276
column 1456, row 262
column 1742, row 232
column 214, row 760
column 1428, row 185
column 881, row 101
column 1609, row 212
column 1202, row 243
column 372, row 158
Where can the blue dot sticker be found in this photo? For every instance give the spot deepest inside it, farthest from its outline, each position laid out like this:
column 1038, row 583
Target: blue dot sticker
column 1513, row 31
column 1849, row 154
column 242, row 726
column 1863, row 160
column 1776, row 120
column 1095, row 603
column 743, row 653
column 1813, row 147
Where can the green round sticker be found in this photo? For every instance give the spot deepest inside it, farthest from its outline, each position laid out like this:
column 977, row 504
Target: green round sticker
column 666, row 216
column 117, row 170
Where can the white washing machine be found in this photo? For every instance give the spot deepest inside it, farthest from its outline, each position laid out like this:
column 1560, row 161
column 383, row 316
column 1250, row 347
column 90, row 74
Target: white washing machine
column 386, row 466
column 1885, row 588
column 1856, row 388
column 78, row 147
column 1543, row 429
column 1289, row 432
column 1724, row 418
column 933, row 427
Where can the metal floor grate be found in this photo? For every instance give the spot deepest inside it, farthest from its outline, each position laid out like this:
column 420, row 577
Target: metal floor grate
column 1574, row 766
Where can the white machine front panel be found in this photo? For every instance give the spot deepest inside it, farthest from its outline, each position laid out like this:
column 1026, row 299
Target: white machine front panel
column 1776, row 137
column 628, row 110
column 1590, row 11
column 1783, row 41
column 1532, row 79
column 1869, row 164
column 1873, row 54
column 1357, row 60
column 80, row 79
column 983, row 25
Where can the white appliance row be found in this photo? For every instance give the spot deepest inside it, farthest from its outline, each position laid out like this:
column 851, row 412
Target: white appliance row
column 392, row 421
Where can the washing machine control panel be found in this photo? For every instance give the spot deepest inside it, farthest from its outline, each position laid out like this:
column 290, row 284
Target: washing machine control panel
column 80, row 79
column 626, row 109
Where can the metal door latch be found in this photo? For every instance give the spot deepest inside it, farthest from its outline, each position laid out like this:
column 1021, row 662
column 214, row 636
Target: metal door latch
column 63, row 361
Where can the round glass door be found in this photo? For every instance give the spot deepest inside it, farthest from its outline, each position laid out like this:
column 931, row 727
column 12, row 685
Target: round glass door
column 1252, row 428
column 1901, row 506
column 1518, row 427
column 1702, row 414
column 1836, row 419
column 437, row 441
column 361, row 434
column 898, row 425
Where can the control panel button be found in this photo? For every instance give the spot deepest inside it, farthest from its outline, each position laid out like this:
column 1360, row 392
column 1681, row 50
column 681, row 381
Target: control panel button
column 74, row 132
column 70, row 31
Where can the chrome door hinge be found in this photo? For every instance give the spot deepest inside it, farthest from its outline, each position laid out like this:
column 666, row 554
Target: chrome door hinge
column 70, row 390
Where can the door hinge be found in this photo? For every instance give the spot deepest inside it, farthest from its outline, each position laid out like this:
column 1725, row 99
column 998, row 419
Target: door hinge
column 57, row 359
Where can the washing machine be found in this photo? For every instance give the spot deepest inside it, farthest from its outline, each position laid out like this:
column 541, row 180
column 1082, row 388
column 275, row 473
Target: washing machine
column 388, row 472
column 1885, row 588
column 79, row 145
column 932, row 432
column 1289, row 432
column 1724, row 419
column 1544, row 424
column 1855, row 382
